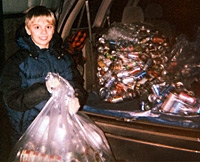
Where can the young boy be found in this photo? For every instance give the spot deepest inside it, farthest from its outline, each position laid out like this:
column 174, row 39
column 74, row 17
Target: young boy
column 23, row 79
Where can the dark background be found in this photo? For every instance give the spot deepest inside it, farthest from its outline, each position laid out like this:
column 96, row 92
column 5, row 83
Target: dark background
column 182, row 15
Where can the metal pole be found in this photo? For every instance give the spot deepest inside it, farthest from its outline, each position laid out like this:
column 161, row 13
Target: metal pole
column 81, row 16
column 2, row 41
column 88, row 18
column 91, row 56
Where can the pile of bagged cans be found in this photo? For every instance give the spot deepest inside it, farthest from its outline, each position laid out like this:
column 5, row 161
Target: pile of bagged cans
column 132, row 62
column 128, row 56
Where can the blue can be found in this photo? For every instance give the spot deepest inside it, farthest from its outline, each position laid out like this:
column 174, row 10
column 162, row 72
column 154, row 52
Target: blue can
column 140, row 75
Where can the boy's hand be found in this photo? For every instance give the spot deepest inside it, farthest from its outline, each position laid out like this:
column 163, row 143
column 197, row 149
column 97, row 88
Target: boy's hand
column 52, row 84
column 73, row 105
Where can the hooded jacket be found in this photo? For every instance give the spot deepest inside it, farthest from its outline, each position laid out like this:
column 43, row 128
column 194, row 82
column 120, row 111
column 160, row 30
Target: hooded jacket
column 23, row 80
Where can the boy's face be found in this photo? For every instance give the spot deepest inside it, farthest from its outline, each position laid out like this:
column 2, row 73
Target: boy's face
column 41, row 31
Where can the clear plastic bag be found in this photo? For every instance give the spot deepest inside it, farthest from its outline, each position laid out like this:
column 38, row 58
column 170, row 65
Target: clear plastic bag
column 57, row 135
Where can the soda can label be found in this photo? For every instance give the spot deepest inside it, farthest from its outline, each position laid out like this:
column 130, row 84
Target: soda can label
column 34, row 156
column 30, row 156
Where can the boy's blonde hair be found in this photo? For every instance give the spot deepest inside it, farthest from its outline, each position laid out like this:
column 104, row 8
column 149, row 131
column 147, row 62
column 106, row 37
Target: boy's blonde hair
column 39, row 11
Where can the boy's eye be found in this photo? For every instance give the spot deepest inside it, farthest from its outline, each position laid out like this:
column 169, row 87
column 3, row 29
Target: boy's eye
column 49, row 27
column 37, row 27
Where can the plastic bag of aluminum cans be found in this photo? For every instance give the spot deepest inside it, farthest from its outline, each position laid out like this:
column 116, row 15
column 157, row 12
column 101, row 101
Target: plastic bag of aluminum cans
column 59, row 134
column 182, row 103
column 178, row 93
column 128, row 57
column 184, row 65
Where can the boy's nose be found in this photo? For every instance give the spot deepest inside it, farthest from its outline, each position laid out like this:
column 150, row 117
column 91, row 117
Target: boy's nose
column 43, row 30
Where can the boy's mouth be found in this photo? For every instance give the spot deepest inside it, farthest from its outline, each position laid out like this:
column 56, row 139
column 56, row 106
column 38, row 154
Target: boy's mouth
column 43, row 38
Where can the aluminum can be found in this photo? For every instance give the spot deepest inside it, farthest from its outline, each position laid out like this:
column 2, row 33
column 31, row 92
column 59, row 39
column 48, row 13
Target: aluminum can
column 133, row 56
column 185, row 97
column 114, row 92
column 33, row 156
column 110, row 82
column 167, row 105
column 116, row 99
column 177, row 107
column 166, row 91
column 148, row 64
column 130, row 65
column 121, row 86
column 127, row 80
column 102, row 40
column 145, row 40
column 100, row 49
column 135, row 70
column 123, row 74
column 152, row 98
column 104, row 93
column 155, row 89
column 157, row 39
column 140, row 75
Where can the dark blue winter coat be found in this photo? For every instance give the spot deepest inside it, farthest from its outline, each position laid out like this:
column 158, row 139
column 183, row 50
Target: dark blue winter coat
column 23, row 80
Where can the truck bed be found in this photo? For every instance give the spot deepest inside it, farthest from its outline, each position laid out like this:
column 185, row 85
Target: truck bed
column 145, row 138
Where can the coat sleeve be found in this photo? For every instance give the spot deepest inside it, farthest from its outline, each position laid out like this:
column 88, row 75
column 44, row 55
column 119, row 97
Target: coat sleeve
column 16, row 97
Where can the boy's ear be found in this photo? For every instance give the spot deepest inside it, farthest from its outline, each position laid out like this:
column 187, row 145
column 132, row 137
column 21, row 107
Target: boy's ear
column 27, row 30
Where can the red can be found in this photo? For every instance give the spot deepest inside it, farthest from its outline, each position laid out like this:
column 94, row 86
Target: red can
column 185, row 97
column 159, row 40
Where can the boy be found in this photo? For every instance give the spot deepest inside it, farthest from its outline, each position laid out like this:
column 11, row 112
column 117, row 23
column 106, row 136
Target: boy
column 23, row 79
